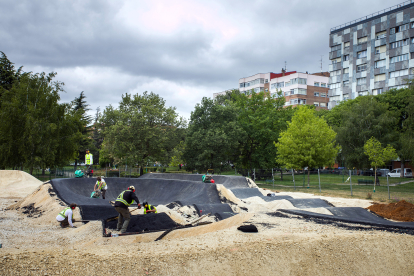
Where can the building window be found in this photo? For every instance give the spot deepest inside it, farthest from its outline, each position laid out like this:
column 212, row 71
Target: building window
column 336, row 73
column 242, row 85
column 361, row 67
column 362, row 54
column 335, row 85
column 380, row 35
column 377, row 91
column 400, row 43
column 316, row 84
column 346, row 70
column 346, row 57
column 346, row 83
column 363, row 93
column 380, row 49
column 346, row 97
column 399, row 29
column 361, row 81
column 379, row 63
column 336, row 60
column 323, row 95
column 399, row 58
column 302, row 81
column 316, row 94
column 336, row 48
column 412, row 55
column 316, row 104
column 380, row 77
column 324, row 84
column 347, row 44
column 266, row 80
column 362, row 40
column 323, row 104
column 399, row 73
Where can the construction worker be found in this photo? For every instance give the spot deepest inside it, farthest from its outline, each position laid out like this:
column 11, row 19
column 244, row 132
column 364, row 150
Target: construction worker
column 123, row 201
column 148, row 208
column 66, row 216
column 88, row 162
column 100, row 185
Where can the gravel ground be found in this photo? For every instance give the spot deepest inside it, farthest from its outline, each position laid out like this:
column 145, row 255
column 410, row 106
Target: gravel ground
column 36, row 245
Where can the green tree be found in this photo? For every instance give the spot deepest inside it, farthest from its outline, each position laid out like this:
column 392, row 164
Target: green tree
column 378, row 155
column 35, row 130
column 355, row 121
column 262, row 118
column 8, row 75
column 307, row 142
column 399, row 104
column 140, row 129
column 213, row 136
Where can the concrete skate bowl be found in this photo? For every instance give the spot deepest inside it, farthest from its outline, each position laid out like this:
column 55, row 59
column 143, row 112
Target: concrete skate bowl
column 353, row 215
column 203, row 196
column 227, row 181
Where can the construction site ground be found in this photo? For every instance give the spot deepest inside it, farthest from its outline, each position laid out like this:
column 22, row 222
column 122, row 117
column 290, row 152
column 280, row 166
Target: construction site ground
column 34, row 244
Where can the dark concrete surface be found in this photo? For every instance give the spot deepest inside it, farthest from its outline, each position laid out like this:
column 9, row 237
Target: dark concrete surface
column 148, row 222
column 352, row 215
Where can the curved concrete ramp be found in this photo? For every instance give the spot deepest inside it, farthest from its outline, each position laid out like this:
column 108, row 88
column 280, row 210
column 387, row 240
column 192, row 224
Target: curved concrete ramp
column 203, row 196
column 352, row 215
column 227, row 181
column 243, row 193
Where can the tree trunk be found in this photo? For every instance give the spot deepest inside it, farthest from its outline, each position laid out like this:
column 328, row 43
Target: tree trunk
column 76, row 164
column 281, row 174
column 402, row 166
column 308, row 176
column 375, row 177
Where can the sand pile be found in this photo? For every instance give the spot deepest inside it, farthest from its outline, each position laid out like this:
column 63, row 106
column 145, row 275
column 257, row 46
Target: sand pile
column 17, row 183
column 46, row 205
column 400, row 211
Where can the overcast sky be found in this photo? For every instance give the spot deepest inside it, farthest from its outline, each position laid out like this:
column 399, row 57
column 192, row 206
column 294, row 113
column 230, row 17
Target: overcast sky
column 181, row 50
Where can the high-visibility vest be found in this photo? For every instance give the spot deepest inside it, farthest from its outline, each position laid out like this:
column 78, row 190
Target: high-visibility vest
column 89, row 159
column 103, row 184
column 149, row 208
column 120, row 198
column 64, row 211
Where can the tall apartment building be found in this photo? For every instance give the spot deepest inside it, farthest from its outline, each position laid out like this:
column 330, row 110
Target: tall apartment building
column 372, row 54
column 297, row 88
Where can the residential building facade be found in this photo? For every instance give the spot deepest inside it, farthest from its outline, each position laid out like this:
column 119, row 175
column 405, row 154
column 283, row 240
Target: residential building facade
column 297, row 88
column 372, row 54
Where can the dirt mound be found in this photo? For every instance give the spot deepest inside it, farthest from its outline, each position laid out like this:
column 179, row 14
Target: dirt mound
column 17, row 183
column 400, row 211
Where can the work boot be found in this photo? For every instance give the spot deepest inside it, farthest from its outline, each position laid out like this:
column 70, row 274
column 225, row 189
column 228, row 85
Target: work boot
column 125, row 225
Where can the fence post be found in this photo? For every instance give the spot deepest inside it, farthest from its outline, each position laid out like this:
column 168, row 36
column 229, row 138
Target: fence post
column 350, row 180
column 303, row 178
column 254, row 175
column 388, row 185
column 294, row 185
column 319, row 176
column 273, row 179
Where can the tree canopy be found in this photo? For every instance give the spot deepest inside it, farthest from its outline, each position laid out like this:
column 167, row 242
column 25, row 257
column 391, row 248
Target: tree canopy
column 307, row 142
column 142, row 129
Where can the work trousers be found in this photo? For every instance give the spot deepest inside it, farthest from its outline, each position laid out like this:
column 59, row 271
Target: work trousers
column 124, row 216
column 65, row 223
column 103, row 193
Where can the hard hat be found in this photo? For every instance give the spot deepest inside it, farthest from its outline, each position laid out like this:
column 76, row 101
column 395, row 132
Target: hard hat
column 131, row 187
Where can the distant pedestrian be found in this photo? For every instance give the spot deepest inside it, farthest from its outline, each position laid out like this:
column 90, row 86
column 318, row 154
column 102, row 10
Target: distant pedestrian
column 101, row 186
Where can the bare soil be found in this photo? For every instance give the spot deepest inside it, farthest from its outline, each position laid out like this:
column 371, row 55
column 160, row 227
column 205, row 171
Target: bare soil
column 400, row 211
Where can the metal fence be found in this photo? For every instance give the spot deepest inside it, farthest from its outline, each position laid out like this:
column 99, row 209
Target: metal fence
column 339, row 182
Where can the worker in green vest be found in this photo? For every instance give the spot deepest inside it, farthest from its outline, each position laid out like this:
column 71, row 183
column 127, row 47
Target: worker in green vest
column 123, row 201
column 66, row 216
column 148, row 208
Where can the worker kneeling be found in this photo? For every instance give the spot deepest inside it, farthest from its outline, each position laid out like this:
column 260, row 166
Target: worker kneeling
column 123, row 201
column 148, row 208
column 66, row 216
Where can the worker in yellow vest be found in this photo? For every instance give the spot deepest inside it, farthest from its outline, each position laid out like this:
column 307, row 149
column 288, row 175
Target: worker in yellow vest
column 101, row 186
column 148, row 208
column 66, row 216
column 88, row 162
column 123, row 201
